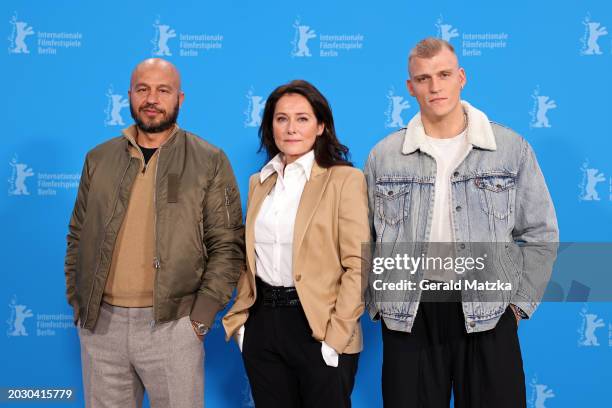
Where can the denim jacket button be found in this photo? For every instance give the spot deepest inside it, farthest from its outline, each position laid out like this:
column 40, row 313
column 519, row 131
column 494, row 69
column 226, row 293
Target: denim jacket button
column 458, row 208
column 472, row 324
column 456, row 174
column 390, row 193
column 462, row 246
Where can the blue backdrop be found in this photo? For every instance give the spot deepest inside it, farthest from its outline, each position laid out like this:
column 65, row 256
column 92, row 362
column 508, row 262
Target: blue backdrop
column 542, row 68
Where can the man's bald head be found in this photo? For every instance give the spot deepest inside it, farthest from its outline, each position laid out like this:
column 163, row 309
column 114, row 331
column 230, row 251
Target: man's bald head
column 164, row 70
column 155, row 95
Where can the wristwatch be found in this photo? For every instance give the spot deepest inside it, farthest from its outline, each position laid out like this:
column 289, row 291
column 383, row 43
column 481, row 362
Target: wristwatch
column 200, row 328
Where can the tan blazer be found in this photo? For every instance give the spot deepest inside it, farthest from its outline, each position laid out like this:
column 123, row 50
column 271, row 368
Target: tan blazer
column 330, row 226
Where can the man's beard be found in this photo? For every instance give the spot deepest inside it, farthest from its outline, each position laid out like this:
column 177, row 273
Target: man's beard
column 163, row 125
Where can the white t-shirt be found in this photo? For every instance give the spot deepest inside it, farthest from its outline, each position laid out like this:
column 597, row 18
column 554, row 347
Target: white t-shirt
column 448, row 154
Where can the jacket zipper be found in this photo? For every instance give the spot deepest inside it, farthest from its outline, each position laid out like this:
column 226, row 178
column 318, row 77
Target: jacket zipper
column 105, row 228
column 227, row 204
column 156, row 262
column 144, row 163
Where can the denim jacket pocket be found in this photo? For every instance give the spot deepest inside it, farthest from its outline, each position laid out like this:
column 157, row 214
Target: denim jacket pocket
column 497, row 193
column 392, row 200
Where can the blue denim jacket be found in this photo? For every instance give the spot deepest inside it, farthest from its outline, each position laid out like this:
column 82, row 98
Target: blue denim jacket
column 498, row 195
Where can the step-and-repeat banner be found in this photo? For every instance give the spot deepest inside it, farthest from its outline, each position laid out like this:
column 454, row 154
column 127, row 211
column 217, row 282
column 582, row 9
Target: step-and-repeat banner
column 542, row 68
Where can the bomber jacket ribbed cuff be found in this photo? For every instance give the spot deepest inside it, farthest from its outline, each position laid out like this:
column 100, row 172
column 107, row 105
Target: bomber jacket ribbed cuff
column 205, row 309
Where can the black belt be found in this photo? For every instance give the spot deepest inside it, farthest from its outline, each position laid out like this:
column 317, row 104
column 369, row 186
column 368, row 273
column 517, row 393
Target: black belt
column 276, row 296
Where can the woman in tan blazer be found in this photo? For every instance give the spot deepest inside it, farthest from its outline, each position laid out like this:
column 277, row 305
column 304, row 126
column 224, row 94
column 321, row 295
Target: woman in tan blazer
column 297, row 309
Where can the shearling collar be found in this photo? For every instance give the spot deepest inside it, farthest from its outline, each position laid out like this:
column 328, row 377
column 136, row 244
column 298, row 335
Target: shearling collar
column 479, row 131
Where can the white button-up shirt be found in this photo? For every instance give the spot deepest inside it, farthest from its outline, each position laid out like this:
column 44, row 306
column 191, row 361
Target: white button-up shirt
column 276, row 218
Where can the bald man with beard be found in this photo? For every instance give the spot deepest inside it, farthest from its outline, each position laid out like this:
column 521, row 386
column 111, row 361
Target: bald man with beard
column 155, row 248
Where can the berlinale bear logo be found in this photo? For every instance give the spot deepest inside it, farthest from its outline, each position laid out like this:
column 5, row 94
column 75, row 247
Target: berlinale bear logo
column 539, row 113
column 593, row 30
column 396, row 106
column 19, row 313
column 303, row 34
column 17, row 181
column 21, row 30
column 113, row 109
column 160, row 41
column 254, row 109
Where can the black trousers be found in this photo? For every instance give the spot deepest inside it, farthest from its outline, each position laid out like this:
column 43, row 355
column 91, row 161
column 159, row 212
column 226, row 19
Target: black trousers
column 284, row 363
column 484, row 370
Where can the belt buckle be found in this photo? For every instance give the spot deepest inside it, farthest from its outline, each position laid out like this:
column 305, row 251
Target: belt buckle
column 282, row 298
column 279, row 297
column 271, row 297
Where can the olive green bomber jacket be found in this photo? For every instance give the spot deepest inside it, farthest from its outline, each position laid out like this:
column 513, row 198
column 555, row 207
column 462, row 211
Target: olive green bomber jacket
column 199, row 234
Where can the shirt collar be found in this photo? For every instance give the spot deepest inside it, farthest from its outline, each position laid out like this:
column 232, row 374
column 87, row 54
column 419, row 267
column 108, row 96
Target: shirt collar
column 479, row 131
column 276, row 166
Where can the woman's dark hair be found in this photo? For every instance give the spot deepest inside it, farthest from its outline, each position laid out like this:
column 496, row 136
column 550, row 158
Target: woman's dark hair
column 328, row 150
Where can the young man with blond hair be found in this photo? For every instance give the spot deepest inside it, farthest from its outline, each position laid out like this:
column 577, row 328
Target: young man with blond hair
column 450, row 180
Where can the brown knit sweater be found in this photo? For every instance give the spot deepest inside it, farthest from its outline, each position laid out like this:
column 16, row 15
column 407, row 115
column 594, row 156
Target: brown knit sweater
column 132, row 275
